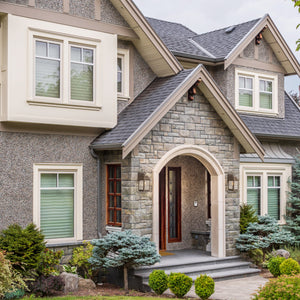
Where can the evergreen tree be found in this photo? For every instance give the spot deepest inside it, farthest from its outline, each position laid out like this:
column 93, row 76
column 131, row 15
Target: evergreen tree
column 123, row 249
column 266, row 234
column 293, row 204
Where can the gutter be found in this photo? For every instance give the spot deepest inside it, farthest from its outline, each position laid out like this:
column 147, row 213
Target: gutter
column 197, row 57
column 99, row 202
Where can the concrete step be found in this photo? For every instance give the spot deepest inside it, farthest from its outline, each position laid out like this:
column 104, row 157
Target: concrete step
column 199, row 268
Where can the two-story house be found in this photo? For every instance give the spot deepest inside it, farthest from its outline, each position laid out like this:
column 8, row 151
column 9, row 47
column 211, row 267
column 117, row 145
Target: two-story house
column 111, row 121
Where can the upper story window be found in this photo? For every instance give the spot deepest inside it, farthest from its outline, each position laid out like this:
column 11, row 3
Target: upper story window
column 123, row 74
column 65, row 70
column 256, row 92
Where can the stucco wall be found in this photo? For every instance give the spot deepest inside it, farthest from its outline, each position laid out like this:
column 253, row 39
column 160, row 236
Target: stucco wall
column 194, row 123
column 18, row 153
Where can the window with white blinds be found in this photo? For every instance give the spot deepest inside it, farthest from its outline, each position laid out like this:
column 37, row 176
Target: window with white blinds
column 58, row 201
column 254, row 192
column 256, row 92
column 274, row 196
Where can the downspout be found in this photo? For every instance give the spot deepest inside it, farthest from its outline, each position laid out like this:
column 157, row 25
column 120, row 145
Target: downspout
column 99, row 202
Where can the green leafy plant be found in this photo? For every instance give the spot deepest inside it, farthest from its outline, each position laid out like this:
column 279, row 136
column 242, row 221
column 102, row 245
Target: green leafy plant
column 49, row 262
column 204, row 286
column 283, row 287
column 274, row 264
column 256, row 256
column 294, row 252
column 180, row 284
column 289, row 267
column 23, row 247
column 69, row 269
column 80, row 259
column 265, row 234
column 123, row 249
column 46, row 285
column 158, row 281
column 247, row 216
column 10, row 279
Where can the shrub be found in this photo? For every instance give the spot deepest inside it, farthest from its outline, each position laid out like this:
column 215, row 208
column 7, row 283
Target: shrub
column 158, row 281
column 10, row 279
column 70, row 269
column 289, row 267
column 46, row 285
column 274, row 264
column 23, row 247
column 294, row 252
column 247, row 216
column 283, row 287
column 49, row 260
column 265, row 234
column 80, row 260
column 179, row 284
column 16, row 294
column 256, row 256
column 123, row 249
column 204, row 286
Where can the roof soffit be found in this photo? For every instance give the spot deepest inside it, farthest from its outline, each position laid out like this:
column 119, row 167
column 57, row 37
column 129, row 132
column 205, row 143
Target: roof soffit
column 217, row 100
column 153, row 50
column 276, row 42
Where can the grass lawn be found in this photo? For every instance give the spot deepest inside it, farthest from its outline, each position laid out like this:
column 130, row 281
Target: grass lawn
column 93, row 298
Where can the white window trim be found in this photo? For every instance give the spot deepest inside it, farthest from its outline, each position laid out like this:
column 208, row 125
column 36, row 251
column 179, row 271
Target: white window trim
column 66, row 41
column 124, row 55
column 255, row 101
column 76, row 169
column 264, row 170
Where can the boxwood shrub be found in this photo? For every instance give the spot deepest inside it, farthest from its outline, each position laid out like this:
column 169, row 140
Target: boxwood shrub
column 179, row 284
column 158, row 281
column 204, row 286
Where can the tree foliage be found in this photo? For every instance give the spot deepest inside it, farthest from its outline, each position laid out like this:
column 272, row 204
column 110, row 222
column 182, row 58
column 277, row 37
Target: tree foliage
column 123, row 249
column 266, row 234
column 293, row 204
column 297, row 4
column 247, row 216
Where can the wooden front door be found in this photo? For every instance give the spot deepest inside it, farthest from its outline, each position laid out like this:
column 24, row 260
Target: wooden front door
column 169, row 186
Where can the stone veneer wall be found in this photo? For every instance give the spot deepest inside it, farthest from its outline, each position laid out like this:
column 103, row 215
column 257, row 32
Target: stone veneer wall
column 18, row 153
column 194, row 123
column 226, row 78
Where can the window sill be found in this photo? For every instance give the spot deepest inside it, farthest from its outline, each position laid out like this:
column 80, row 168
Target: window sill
column 50, row 244
column 123, row 98
column 259, row 113
column 113, row 229
column 63, row 105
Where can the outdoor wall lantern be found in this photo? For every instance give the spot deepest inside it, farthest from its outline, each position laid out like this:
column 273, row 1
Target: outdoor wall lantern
column 143, row 182
column 232, row 183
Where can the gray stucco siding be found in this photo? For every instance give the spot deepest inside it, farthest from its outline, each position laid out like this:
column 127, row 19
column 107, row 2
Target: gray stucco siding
column 20, row 151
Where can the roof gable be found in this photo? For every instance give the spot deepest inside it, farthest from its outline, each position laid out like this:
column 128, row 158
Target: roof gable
column 137, row 119
column 149, row 45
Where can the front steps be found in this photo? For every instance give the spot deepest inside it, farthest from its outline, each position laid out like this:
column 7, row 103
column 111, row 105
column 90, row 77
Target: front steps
column 193, row 263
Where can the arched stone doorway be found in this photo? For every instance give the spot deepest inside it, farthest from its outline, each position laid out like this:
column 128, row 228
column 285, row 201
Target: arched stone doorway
column 217, row 193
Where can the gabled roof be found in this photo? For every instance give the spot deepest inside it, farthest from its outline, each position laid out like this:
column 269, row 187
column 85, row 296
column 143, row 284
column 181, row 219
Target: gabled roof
column 224, row 45
column 149, row 44
column 138, row 118
column 287, row 128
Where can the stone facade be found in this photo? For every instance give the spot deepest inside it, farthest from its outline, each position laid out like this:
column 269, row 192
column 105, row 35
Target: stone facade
column 18, row 153
column 193, row 123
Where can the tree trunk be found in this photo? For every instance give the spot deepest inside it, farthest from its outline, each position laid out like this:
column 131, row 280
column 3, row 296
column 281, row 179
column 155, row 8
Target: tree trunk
column 125, row 278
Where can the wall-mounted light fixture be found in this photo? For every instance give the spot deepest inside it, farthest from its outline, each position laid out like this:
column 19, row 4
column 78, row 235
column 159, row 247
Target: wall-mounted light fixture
column 143, row 182
column 232, row 183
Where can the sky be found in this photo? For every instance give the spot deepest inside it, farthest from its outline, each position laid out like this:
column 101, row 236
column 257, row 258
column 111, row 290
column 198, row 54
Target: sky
column 203, row 16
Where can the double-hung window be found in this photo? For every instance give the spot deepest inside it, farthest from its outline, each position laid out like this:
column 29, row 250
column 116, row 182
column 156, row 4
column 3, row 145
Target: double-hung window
column 265, row 187
column 123, row 74
column 256, row 92
column 58, row 201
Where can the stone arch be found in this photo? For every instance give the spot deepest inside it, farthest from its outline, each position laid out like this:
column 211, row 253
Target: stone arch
column 218, row 248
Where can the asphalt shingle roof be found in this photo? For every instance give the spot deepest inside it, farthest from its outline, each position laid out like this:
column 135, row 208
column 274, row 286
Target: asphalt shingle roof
column 133, row 116
column 287, row 127
column 218, row 43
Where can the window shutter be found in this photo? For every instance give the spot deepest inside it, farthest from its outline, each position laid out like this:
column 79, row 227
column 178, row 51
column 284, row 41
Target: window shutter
column 57, row 205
